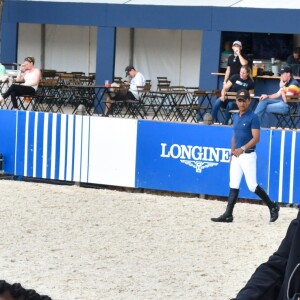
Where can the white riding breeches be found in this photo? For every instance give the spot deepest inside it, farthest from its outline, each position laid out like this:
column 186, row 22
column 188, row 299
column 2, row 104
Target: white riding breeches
column 244, row 164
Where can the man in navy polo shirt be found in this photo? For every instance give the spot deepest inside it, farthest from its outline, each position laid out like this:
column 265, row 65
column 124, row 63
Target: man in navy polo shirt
column 246, row 134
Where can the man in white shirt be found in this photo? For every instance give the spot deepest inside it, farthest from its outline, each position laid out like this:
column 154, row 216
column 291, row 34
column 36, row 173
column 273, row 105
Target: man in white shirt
column 121, row 94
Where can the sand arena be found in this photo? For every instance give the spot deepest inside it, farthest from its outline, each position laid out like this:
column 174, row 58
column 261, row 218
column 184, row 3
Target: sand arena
column 70, row 242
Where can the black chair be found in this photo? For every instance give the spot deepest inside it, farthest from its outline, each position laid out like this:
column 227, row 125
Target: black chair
column 292, row 118
column 202, row 103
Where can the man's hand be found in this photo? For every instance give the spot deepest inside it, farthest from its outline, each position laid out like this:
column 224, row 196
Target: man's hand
column 263, row 97
column 282, row 83
column 237, row 152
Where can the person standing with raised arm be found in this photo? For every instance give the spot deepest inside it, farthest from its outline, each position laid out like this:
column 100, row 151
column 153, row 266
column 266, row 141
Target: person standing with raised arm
column 235, row 61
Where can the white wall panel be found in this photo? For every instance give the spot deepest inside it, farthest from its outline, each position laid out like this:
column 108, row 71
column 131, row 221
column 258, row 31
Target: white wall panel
column 190, row 58
column 85, row 148
column 70, row 147
column 45, row 145
column 77, row 148
column 68, row 48
column 157, row 53
column 53, row 146
column 92, row 49
column 29, row 42
column 171, row 53
column 122, row 51
column 62, row 149
column 112, row 151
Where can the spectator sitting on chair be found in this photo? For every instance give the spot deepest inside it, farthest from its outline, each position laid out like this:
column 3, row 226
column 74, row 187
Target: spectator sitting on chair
column 31, row 77
column 235, row 83
column 276, row 103
column 137, row 79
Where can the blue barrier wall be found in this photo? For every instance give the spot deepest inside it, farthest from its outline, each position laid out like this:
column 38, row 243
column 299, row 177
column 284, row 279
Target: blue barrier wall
column 179, row 157
column 8, row 139
column 190, row 158
column 284, row 166
column 69, row 147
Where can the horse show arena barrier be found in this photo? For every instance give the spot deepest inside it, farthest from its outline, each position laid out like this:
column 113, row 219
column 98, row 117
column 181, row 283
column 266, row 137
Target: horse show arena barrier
column 176, row 157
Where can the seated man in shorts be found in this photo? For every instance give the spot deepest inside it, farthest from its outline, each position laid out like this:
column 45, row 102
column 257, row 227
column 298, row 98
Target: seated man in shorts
column 121, row 94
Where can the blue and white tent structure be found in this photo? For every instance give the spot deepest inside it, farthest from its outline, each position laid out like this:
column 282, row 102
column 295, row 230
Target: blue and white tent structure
column 177, row 39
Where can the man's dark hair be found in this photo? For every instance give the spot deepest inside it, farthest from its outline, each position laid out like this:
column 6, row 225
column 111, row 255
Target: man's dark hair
column 297, row 50
column 4, row 288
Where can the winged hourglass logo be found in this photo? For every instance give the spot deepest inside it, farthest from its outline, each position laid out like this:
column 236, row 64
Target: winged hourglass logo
column 199, row 165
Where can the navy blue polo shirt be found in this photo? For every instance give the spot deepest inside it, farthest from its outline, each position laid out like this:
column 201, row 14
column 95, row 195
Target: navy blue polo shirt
column 242, row 127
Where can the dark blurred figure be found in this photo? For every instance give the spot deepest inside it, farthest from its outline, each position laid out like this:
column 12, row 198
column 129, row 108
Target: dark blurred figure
column 279, row 277
column 17, row 292
column 293, row 61
column 5, row 291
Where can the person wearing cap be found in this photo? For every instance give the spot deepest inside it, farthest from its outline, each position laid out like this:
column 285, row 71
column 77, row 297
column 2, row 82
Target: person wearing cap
column 276, row 103
column 136, row 79
column 246, row 134
column 293, row 61
column 225, row 54
column 235, row 61
column 243, row 80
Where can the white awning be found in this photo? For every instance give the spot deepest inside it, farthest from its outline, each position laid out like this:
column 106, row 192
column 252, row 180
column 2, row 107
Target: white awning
column 272, row 4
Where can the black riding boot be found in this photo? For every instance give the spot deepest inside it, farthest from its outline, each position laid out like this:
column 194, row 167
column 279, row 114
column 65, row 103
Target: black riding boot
column 273, row 206
column 227, row 216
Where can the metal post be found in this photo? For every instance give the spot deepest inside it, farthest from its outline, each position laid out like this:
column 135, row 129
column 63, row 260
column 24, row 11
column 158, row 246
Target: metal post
column 1, row 164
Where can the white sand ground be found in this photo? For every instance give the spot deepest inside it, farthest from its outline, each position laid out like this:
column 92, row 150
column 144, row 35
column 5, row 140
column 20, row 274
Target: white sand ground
column 81, row 243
